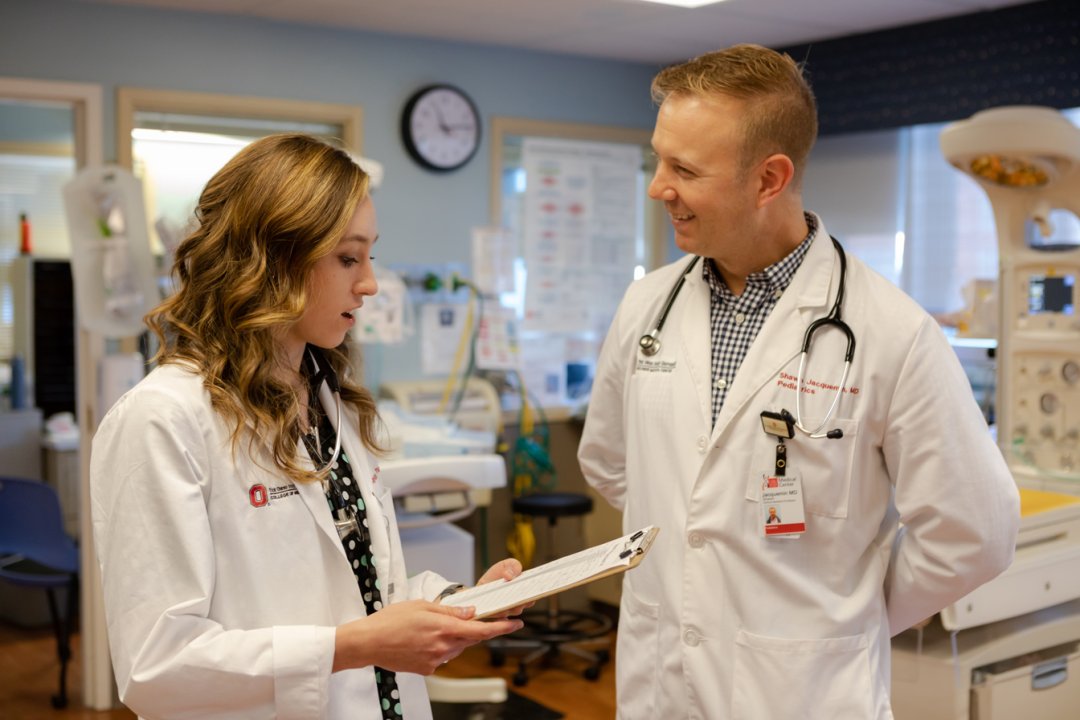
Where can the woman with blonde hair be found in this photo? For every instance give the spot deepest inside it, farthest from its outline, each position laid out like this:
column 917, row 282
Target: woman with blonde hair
column 249, row 554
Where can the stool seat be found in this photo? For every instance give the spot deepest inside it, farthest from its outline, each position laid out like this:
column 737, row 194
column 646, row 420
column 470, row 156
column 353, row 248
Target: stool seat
column 553, row 505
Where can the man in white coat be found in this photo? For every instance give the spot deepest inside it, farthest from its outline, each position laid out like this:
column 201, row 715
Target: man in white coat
column 895, row 501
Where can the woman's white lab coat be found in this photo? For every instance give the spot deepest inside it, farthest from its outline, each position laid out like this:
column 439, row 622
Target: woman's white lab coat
column 721, row 622
column 223, row 580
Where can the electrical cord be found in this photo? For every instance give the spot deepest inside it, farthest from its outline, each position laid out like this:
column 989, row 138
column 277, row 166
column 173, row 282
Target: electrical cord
column 532, row 471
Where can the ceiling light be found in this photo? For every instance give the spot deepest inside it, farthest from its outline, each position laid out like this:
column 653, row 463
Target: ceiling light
column 685, row 3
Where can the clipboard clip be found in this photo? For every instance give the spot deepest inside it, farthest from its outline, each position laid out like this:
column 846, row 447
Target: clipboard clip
column 632, row 550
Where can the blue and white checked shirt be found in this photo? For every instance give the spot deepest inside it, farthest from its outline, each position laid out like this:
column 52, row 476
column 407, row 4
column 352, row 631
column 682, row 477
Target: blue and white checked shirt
column 736, row 320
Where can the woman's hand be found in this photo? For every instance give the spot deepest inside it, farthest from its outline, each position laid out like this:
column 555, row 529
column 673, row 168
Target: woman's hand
column 414, row 636
column 507, row 569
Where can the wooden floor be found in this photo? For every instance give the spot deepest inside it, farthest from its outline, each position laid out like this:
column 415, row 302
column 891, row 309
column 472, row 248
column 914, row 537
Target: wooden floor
column 29, row 674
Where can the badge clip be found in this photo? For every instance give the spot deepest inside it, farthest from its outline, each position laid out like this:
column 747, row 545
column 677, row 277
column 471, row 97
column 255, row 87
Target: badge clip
column 781, row 424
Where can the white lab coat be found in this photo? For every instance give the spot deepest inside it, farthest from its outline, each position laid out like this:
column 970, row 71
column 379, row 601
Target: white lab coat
column 719, row 621
column 218, row 607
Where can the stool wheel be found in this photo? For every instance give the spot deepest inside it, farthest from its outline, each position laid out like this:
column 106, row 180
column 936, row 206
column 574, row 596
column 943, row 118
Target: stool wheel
column 592, row 672
column 498, row 658
column 520, row 679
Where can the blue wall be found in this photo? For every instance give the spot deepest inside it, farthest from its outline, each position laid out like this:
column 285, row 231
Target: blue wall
column 423, row 217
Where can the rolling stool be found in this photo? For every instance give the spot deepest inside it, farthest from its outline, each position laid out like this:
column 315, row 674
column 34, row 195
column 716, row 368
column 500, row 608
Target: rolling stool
column 552, row 630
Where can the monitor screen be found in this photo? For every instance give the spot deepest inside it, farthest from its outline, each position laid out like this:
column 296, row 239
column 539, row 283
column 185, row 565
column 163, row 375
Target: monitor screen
column 1051, row 294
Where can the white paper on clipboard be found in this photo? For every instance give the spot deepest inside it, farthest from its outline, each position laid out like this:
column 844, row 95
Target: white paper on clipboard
column 615, row 556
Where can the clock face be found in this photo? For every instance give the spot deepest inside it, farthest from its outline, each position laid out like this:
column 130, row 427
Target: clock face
column 441, row 127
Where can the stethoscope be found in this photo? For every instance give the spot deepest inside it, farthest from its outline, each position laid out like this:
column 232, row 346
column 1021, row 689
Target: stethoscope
column 649, row 344
column 320, row 363
column 346, row 518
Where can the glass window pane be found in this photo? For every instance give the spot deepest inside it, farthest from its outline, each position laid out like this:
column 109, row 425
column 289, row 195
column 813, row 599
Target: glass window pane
column 175, row 154
column 36, row 160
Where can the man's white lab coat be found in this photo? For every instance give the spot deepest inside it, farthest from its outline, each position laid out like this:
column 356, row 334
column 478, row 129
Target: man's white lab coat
column 910, row 510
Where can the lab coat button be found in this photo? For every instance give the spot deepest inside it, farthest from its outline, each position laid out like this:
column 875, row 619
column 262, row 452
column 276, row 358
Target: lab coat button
column 691, row 637
column 702, row 443
column 696, row 541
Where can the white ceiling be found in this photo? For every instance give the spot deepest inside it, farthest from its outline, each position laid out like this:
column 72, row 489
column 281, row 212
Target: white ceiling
column 616, row 29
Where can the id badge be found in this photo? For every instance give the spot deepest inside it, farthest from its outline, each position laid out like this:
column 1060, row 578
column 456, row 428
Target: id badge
column 782, row 512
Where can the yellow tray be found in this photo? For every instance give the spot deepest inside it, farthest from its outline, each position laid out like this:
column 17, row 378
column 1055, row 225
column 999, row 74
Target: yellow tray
column 1033, row 502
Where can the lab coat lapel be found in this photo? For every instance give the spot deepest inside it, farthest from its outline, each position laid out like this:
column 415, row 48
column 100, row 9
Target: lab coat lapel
column 363, row 475
column 315, row 498
column 695, row 336
column 780, row 338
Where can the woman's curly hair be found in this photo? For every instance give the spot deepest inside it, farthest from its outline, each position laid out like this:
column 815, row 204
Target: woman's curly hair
column 264, row 220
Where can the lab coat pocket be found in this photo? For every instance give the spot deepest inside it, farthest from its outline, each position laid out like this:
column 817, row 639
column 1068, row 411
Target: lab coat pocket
column 781, row 678
column 825, row 466
column 651, row 392
column 638, row 638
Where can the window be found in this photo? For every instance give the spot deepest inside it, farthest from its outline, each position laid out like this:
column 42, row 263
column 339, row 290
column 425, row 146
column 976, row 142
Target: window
column 47, row 130
column 896, row 203
column 175, row 141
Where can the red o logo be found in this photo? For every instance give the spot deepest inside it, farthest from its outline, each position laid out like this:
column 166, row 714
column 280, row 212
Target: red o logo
column 258, row 495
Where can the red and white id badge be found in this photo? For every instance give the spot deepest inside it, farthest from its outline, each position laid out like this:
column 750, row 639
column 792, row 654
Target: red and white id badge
column 782, row 513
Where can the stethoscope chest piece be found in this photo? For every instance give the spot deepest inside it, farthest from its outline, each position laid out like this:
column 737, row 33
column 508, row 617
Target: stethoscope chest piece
column 649, row 344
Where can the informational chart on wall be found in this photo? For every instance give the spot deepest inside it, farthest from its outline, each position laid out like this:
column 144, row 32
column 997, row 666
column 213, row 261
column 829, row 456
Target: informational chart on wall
column 582, row 227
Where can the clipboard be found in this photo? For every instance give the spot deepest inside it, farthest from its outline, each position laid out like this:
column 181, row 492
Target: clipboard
column 580, row 568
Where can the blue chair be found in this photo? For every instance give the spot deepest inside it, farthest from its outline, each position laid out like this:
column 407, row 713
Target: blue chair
column 36, row 552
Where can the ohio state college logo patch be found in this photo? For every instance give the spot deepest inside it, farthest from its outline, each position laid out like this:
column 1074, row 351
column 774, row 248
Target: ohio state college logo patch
column 258, row 495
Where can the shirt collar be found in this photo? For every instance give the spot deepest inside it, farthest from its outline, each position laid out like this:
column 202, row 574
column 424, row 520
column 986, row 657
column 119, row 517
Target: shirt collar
column 775, row 277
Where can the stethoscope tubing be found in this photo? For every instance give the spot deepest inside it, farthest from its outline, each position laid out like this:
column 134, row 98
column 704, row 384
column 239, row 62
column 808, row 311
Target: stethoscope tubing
column 318, row 360
column 649, row 344
column 337, row 435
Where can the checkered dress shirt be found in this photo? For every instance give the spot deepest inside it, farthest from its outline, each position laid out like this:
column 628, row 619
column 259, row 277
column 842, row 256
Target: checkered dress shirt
column 736, row 320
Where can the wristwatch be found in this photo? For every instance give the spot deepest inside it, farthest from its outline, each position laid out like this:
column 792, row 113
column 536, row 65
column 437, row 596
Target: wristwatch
column 450, row 590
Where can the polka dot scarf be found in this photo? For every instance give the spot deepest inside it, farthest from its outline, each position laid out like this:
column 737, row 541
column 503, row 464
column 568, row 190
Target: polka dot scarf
column 350, row 518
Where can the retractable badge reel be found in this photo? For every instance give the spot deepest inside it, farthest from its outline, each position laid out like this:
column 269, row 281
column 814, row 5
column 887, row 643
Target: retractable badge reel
column 781, row 508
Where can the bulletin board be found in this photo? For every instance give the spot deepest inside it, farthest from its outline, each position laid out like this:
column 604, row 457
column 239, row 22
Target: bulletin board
column 572, row 200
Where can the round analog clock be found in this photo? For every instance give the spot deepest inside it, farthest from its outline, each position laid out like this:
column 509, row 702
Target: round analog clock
column 441, row 127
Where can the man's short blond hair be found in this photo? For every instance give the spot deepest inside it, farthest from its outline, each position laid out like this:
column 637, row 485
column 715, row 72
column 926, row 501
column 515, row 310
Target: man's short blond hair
column 781, row 112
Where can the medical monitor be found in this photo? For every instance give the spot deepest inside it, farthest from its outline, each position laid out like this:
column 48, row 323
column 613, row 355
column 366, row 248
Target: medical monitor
column 1051, row 294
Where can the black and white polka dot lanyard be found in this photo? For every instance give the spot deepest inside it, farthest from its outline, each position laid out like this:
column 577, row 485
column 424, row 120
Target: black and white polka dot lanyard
column 350, row 520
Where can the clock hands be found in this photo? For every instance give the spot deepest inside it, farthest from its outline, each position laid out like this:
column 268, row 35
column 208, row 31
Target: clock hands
column 446, row 127
column 442, row 122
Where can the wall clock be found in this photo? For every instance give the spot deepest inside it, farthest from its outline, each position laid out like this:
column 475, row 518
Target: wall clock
column 440, row 127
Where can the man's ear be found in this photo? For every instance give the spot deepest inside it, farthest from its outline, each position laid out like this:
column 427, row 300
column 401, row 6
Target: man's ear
column 776, row 174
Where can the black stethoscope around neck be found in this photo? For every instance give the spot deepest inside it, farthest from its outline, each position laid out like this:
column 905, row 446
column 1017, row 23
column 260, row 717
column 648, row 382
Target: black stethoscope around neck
column 649, row 344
